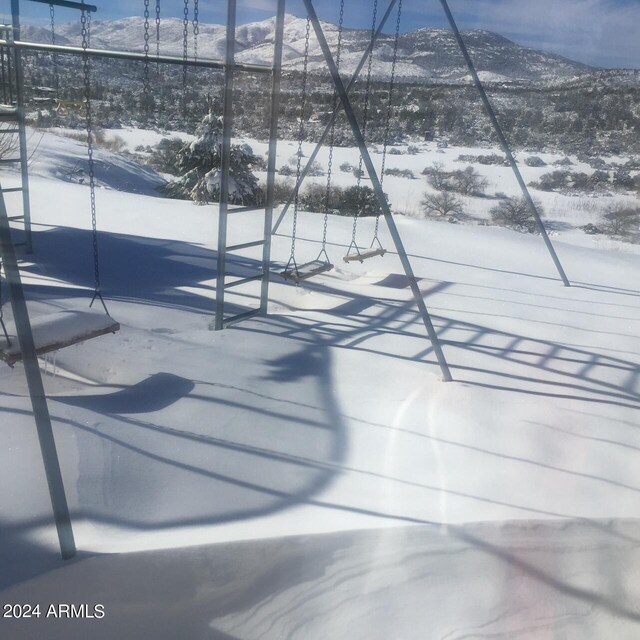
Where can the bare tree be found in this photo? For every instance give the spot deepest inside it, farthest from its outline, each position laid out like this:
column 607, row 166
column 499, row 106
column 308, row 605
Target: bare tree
column 442, row 205
column 515, row 213
column 437, row 177
column 468, row 182
column 621, row 221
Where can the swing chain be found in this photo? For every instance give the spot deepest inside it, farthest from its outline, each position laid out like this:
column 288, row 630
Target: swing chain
column 86, row 26
column 365, row 118
column 54, row 56
column 52, row 17
column 387, row 126
column 332, row 135
column 303, row 101
column 157, row 28
column 146, row 83
column 185, row 53
column 196, row 29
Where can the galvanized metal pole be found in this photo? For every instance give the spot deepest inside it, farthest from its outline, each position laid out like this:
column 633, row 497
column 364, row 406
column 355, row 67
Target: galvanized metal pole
column 36, row 389
column 503, row 141
column 135, row 56
column 333, row 117
column 273, row 150
column 377, row 187
column 22, row 134
column 225, row 162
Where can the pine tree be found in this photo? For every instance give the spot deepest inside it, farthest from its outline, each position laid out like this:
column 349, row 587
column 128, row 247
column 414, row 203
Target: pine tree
column 198, row 163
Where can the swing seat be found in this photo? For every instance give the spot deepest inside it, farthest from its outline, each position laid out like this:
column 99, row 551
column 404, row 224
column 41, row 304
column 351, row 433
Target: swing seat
column 58, row 330
column 307, row 270
column 361, row 256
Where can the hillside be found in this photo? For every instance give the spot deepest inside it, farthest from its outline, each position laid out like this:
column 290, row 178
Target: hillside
column 426, row 53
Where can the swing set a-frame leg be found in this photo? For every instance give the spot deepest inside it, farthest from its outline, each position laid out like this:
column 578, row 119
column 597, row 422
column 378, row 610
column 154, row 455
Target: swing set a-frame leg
column 36, row 390
column 377, row 187
column 503, row 142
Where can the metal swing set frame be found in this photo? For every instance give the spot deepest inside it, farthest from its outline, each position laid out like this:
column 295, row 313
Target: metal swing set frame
column 230, row 67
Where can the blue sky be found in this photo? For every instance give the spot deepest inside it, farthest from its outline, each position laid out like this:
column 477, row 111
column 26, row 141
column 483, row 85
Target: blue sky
column 598, row 32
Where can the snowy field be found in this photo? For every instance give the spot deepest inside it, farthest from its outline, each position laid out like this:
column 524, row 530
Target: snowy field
column 308, row 474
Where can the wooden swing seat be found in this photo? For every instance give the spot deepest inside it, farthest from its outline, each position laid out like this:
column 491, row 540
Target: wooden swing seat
column 307, row 270
column 58, row 330
column 361, row 256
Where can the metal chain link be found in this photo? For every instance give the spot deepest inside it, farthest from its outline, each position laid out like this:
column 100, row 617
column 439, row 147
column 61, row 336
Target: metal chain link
column 303, row 101
column 387, row 126
column 196, row 29
column 158, row 35
column 332, row 135
column 54, row 56
column 185, row 53
column 86, row 34
column 365, row 117
column 146, row 91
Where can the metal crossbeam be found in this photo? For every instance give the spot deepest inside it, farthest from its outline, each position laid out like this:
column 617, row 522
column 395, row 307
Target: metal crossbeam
column 68, row 4
column 377, row 187
column 133, row 55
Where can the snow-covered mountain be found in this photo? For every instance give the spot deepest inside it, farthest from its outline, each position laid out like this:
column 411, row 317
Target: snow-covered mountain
column 425, row 53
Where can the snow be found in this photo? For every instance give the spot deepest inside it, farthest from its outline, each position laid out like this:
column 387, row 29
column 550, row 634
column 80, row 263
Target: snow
column 308, row 474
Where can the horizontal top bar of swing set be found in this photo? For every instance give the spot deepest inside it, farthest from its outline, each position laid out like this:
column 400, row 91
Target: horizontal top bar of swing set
column 91, row 8
column 134, row 55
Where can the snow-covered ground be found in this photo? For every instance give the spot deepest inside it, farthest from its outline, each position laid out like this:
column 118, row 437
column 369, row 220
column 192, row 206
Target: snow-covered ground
column 308, row 474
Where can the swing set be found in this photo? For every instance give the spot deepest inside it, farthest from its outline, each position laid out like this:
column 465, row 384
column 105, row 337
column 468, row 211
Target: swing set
column 25, row 341
column 322, row 263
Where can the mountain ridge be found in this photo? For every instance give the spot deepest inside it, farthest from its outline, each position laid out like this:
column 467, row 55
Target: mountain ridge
column 426, row 53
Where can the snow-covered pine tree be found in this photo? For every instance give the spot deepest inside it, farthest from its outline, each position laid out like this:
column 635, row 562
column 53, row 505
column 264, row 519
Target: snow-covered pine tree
column 198, row 164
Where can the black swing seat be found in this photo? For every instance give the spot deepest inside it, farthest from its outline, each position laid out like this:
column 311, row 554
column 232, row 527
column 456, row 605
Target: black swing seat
column 58, row 330
column 361, row 256
column 306, row 270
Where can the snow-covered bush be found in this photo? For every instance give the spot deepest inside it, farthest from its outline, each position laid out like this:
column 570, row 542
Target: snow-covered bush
column 313, row 197
column 286, row 170
column 442, row 205
column 315, row 169
column 621, row 221
column 400, row 173
column 552, row 181
column 361, row 200
column 515, row 213
column 347, row 167
column 199, row 162
column 165, row 155
column 468, row 182
column 535, row 161
column 622, row 180
column 436, row 176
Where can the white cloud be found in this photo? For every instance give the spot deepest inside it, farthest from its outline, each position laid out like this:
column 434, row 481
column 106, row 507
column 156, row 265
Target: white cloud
column 596, row 31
